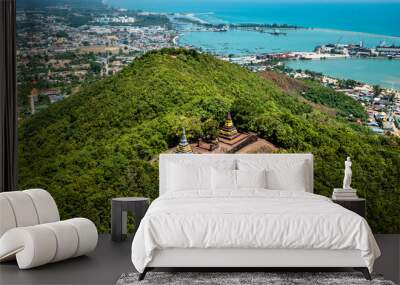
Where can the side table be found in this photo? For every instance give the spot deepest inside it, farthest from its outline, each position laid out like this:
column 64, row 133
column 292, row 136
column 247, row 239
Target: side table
column 119, row 208
column 357, row 205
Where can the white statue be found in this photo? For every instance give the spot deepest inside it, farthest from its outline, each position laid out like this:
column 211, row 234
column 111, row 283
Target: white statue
column 347, row 174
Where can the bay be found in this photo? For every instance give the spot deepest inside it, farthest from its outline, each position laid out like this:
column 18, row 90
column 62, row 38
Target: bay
column 239, row 42
column 371, row 23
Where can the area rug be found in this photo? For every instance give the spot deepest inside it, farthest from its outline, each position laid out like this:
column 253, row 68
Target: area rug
column 253, row 278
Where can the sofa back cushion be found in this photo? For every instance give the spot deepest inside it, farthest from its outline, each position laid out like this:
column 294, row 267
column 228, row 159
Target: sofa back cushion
column 26, row 208
column 7, row 218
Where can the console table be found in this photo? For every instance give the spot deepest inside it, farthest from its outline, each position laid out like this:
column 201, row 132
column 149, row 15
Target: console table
column 119, row 208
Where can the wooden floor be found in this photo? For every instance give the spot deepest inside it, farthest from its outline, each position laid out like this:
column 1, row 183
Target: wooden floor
column 110, row 260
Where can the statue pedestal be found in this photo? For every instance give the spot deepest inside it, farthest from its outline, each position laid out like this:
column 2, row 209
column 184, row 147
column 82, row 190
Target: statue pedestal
column 357, row 205
column 343, row 194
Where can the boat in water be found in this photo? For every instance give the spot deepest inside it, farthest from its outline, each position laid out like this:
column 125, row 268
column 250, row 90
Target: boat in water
column 277, row 32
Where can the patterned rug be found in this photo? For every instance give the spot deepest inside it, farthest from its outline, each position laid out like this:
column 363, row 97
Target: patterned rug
column 244, row 278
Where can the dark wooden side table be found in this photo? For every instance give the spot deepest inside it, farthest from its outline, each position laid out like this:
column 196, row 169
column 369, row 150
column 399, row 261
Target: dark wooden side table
column 119, row 217
column 357, row 205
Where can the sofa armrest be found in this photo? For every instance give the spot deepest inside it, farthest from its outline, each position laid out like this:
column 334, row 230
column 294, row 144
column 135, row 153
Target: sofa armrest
column 32, row 246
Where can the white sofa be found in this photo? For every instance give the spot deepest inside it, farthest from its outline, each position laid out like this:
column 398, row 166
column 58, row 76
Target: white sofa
column 31, row 231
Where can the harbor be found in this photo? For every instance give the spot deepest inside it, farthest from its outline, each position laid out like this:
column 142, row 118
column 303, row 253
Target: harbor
column 382, row 50
column 381, row 104
column 308, row 49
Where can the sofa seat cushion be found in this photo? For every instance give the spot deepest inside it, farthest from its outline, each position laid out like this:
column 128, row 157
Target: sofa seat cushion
column 40, row 244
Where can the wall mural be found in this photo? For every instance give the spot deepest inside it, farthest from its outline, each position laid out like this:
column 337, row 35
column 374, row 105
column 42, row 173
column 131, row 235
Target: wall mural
column 104, row 87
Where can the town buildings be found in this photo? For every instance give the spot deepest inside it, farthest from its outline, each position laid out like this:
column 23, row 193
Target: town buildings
column 62, row 47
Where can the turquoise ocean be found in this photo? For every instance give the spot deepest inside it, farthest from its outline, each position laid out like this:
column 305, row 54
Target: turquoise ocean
column 371, row 23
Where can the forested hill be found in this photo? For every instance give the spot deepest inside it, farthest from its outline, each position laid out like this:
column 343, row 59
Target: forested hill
column 97, row 144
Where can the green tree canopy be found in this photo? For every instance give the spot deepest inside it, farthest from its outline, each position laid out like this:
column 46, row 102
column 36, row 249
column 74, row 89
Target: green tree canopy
column 98, row 143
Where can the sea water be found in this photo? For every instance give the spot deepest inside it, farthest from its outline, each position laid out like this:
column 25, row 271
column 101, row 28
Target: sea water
column 373, row 71
column 240, row 42
column 344, row 22
column 376, row 17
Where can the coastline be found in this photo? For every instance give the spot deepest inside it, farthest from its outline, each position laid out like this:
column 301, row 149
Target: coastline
column 221, row 45
column 131, row 34
column 193, row 15
column 191, row 23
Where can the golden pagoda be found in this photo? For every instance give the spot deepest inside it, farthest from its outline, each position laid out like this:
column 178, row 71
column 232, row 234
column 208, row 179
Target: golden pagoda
column 228, row 131
column 229, row 141
column 184, row 146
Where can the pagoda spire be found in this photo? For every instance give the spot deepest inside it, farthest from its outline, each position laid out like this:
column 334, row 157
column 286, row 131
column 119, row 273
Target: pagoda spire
column 184, row 146
column 228, row 131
